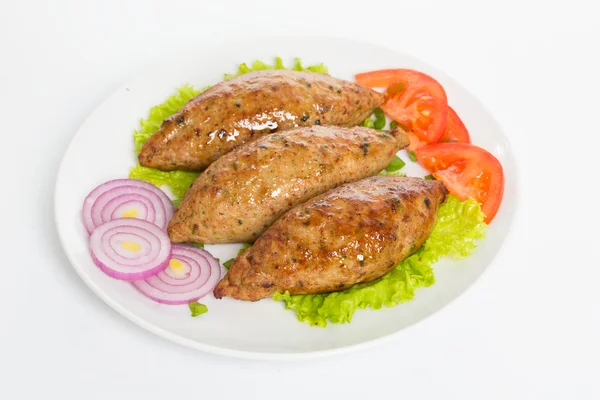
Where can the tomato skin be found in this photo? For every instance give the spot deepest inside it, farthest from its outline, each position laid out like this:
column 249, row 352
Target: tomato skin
column 466, row 171
column 381, row 78
column 384, row 78
column 415, row 142
column 413, row 99
column 423, row 114
column 456, row 131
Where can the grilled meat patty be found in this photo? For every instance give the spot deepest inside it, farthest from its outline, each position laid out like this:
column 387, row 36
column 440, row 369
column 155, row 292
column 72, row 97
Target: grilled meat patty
column 249, row 106
column 242, row 193
column 352, row 234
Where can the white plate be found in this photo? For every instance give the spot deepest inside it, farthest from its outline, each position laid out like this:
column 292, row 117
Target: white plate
column 103, row 149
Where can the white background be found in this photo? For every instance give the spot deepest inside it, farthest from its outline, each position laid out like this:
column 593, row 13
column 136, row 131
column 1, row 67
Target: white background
column 528, row 329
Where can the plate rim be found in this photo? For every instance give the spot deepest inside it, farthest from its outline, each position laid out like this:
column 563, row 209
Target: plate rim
column 279, row 356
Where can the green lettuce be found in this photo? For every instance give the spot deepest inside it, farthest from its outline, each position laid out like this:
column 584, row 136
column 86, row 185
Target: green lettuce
column 392, row 173
column 244, row 247
column 377, row 120
column 161, row 112
column 180, row 181
column 197, row 308
column 259, row 66
column 368, row 123
column 458, row 226
column 380, row 120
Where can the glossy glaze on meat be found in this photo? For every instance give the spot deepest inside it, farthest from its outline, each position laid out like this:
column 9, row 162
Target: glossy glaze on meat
column 242, row 193
column 353, row 234
column 249, row 106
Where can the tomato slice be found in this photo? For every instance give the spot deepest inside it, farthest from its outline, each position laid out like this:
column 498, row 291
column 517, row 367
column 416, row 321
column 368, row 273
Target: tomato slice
column 384, row 78
column 378, row 79
column 413, row 99
column 415, row 142
column 456, row 131
column 420, row 112
column 466, row 171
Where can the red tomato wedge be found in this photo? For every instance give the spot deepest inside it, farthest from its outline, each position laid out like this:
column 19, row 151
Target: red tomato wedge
column 466, row 171
column 415, row 142
column 413, row 99
column 456, row 131
column 383, row 78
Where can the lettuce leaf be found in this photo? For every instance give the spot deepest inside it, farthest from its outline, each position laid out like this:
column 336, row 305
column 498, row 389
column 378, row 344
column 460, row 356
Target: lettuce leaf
column 391, row 173
column 259, row 66
column 458, row 226
column 197, row 308
column 180, row 181
column 244, row 247
column 161, row 112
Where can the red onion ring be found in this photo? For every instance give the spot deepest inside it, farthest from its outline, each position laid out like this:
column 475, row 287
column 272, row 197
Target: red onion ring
column 193, row 274
column 130, row 249
column 114, row 199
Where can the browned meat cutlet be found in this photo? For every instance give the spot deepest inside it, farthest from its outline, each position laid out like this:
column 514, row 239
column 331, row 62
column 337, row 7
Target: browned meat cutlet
column 353, row 234
column 249, row 106
column 242, row 193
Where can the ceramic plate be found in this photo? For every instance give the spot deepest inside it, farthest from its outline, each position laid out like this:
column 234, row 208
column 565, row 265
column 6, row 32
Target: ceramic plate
column 102, row 150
